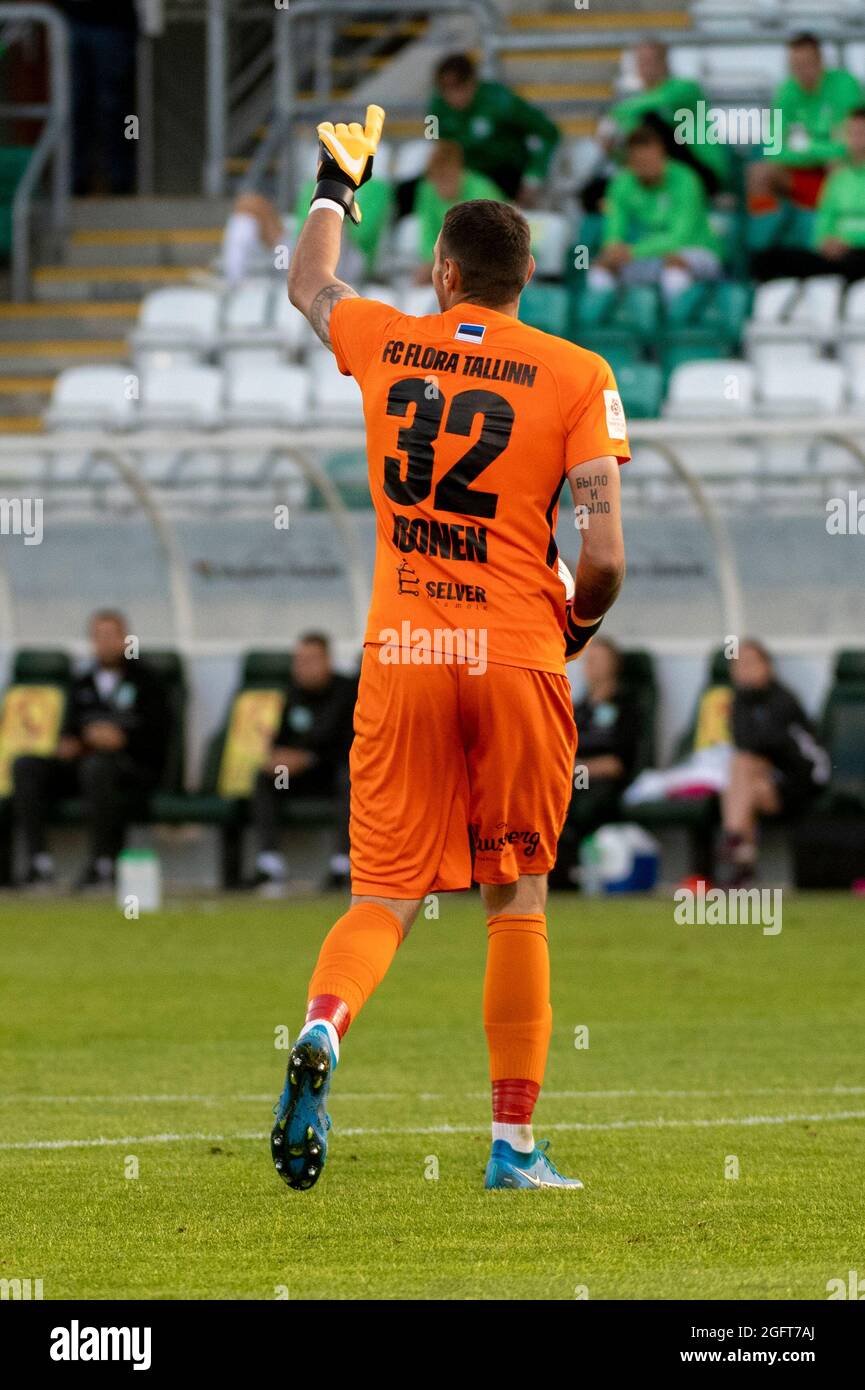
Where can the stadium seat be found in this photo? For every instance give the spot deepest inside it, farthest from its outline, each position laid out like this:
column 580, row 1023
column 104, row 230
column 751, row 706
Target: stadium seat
column 336, row 398
column 264, row 394
column 188, row 396
column 92, row 398
column 247, row 309
column 550, row 232
column 41, row 666
column 724, row 388
column 410, row 159
column 178, row 319
column 404, row 242
column 546, row 307
column 819, row 391
column 641, row 387
column 843, row 729
column 852, row 327
column 805, row 312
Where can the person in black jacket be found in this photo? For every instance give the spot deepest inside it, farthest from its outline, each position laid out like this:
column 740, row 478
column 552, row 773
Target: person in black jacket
column 111, row 752
column 778, row 766
column 608, row 727
column 102, row 37
column 310, row 752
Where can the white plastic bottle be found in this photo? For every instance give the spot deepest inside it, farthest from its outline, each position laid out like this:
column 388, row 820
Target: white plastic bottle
column 139, row 881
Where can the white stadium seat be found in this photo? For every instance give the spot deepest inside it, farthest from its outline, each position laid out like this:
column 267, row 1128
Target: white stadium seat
column 186, row 317
column 853, row 315
column 92, row 398
column 806, row 312
column 418, row 300
column 248, row 308
column 335, row 398
column 551, row 237
column 190, row 397
column 405, row 242
column 410, row 159
column 820, row 390
column 711, row 390
column 262, row 395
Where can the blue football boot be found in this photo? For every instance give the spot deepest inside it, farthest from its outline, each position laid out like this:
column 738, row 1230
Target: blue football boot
column 298, row 1140
column 508, row 1168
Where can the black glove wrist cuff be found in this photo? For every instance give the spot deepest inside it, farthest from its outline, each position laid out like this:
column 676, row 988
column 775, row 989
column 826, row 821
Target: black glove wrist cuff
column 337, row 192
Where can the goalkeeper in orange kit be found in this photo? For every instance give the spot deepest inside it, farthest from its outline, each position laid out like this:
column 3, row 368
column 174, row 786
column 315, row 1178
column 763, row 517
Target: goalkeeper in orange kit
column 464, row 734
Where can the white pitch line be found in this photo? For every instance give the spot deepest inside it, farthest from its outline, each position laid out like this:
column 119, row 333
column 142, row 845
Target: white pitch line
column 566, row 1126
column 246, row 1098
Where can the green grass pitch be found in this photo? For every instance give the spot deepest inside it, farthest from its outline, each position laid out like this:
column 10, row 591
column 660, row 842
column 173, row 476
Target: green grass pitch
column 149, row 1046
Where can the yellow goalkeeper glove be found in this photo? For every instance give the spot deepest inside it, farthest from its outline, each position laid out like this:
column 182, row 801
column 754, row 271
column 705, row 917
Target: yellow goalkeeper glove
column 345, row 154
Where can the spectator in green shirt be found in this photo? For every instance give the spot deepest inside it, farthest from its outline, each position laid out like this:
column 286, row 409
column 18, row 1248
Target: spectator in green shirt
column 812, row 105
column 447, row 181
column 656, row 224
column 501, row 135
column 658, row 104
column 839, row 229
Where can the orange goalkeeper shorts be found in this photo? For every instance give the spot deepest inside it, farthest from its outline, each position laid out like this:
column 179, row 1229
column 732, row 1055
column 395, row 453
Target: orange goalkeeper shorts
column 457, row 775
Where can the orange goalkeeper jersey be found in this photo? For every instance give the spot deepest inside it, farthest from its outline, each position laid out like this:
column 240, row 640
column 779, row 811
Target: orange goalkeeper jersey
column 473, row 420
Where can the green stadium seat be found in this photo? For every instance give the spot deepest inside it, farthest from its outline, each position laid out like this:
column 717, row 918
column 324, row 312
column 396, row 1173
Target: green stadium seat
column 843, row 732
column 547, row 307
column 641, row 388
column 13, row 162
column 41, row 666
column 637, row 676
column 265, row 669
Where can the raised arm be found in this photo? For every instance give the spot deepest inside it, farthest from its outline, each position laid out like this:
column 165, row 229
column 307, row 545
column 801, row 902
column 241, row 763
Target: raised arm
column 345, row 164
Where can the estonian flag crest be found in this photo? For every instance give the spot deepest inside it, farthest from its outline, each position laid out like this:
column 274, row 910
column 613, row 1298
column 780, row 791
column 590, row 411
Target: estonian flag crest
column 471, row 332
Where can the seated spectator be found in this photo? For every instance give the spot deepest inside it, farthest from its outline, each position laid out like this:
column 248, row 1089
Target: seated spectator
column 811, row 105
column 777, row 767
column 501, row 135
column 112, row 750
column 839, row 230
column 608, row 721
column 311, row 747
column 447, row 181
column 656, row 224
column 254, row 227
column 658, row 105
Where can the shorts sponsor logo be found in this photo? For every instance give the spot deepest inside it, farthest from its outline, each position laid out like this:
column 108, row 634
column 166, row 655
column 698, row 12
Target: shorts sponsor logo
column 501, row 837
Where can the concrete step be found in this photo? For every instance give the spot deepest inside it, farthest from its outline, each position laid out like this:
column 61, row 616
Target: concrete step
column 35, row 322
column 51, row 355
column 174, row 246
column 101, row 282
column 20, row 424
column 96, row 214
column 24, row 397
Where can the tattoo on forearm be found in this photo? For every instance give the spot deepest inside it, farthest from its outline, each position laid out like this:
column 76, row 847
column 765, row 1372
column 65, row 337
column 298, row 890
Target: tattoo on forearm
column 321, row 309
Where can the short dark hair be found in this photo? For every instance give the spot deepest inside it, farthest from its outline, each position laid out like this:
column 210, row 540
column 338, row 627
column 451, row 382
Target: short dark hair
column 491, row 244
column 858, row 114
column 314, row 639
column 107, row 615
column 643, row 136
column 459, row 67
column 804, row 40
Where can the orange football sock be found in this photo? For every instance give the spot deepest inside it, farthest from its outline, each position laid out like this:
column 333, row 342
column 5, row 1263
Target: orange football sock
column 518, row 1019
column 353, row 961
